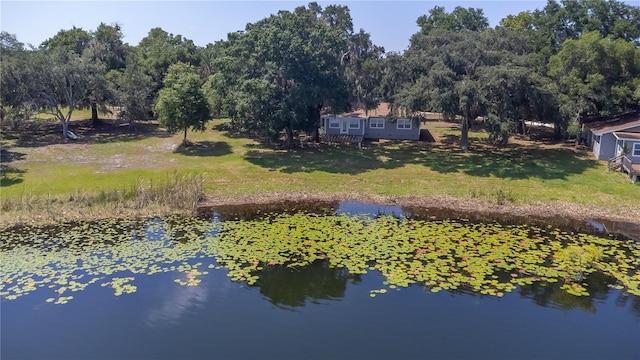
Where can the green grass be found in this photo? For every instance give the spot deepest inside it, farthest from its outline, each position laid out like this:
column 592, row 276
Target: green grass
column 111, row 159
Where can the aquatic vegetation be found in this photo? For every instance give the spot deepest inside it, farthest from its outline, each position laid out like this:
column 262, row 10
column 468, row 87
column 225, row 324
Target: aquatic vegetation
column 444, row 255
column 490, row 259
column 191, row 275
column 70, row 258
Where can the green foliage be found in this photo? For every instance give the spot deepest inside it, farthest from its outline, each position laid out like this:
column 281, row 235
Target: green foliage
column 574, row 128
column 459, row 19
column 363, row 70
column 470, row 74
column 279, row 73
column 14, row 97
column 57, row 81
column 159, row 50
column 181, row 103
column 132, row 90
column 74, row 40
column 596, row 74
column 107, row 46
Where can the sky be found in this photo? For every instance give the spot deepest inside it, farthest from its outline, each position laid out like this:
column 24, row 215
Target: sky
column 390, row 23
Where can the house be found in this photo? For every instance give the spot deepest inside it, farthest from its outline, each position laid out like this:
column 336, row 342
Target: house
column 355, row 127
column 617, row 140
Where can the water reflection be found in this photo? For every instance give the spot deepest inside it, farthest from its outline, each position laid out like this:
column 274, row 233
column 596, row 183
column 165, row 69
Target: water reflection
column 294, row 287
column 255, row 211
column 221, row 317
column 174, row 304
column 299, row 287
column 371, row 210
column 156, row 245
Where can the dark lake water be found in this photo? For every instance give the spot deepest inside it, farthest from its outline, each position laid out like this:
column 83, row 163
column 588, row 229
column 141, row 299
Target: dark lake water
column 312, row 312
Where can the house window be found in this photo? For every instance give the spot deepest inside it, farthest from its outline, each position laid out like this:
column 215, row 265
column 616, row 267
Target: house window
column 404, row 124
column 376, row 123
column 354, row 123
column 334, row 123
column 598, row 139
column 636, row 149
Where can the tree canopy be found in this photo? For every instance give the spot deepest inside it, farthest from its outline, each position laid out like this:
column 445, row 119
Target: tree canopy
column 557, row 64
column 181, row 104
column 57, row 81
column 281, row 71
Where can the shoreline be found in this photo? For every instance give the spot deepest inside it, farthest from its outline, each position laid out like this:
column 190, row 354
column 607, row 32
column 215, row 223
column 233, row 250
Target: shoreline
column 540, row 210
column 537, row 211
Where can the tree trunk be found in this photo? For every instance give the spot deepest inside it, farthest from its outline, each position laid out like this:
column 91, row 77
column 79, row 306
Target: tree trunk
column 184, row 141
column 288, row 137
column 579, row 118
column 65, row 128
column 556, row 130
column 464, row 138
column 314, row 116
column 94, row 113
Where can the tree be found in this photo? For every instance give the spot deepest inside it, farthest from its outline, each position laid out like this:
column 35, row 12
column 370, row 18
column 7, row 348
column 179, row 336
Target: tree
column 56, row 80
column 181, row 103
column 14, row 97
column 132, row 91
column 596, row 76
column 74, row 40
column 394, row 75
column 443, row 68
column 104, row 47
column 608, row 17
column 466, row 74
column 363, row 70
column 557, row 22
column 207, row 59
column 108, row 51
column 281, row 71
column 469, row 19
column 159, row 50
column 9, row 45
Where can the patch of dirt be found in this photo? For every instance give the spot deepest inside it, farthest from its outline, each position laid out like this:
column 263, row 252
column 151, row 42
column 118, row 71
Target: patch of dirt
column 45, row 143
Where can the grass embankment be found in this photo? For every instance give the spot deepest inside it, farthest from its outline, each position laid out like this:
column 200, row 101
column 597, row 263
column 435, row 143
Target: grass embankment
column 114, row 169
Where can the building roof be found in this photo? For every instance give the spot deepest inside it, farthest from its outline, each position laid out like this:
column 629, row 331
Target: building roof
column 627, row 135
column 617, row 123
column 383, row 109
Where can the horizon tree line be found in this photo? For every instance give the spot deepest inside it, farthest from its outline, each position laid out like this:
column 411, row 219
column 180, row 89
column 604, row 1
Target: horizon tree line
column 559, row 64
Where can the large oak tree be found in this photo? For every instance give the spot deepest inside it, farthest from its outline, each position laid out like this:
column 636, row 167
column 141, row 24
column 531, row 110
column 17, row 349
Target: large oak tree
column 279, row 72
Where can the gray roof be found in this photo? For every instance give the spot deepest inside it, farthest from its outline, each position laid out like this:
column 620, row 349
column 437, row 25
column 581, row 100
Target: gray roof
column 618, row 123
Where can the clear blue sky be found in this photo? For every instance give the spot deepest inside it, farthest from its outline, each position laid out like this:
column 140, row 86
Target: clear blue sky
column 390, row 23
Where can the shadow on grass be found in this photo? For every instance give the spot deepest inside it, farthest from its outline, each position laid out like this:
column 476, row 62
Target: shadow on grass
column 227, row 129
column 10, row 175
column 515, row 161
column 512, row 162
column 43, row 133
column 331, row 159
column 204, row 148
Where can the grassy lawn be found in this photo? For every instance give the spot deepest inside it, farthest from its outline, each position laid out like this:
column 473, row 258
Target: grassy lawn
column 110, row 157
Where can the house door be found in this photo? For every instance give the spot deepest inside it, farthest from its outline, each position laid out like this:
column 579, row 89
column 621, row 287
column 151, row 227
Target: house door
column 619, row 147
column 344, row 126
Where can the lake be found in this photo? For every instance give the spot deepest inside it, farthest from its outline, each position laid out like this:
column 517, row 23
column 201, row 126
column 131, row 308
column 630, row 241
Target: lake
column 322, row 280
